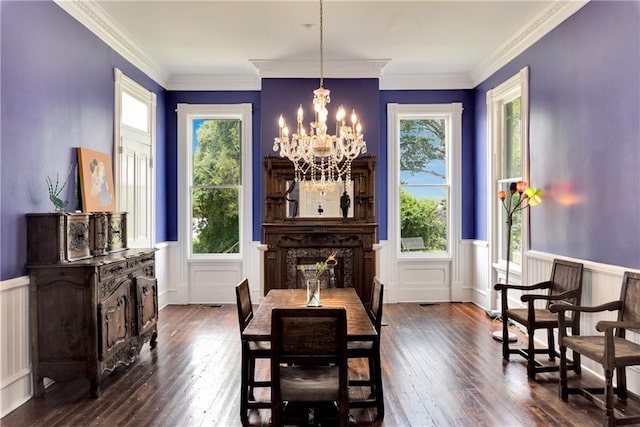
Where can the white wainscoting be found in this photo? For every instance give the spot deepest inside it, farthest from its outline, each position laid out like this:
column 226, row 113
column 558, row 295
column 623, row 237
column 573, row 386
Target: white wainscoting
column 166, row 272
column 15, row 347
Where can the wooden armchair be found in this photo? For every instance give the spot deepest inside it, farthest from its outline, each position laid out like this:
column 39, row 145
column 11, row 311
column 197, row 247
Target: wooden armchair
column 612, row 350
column 251, row 350
column 565, row 284
column 309, row 359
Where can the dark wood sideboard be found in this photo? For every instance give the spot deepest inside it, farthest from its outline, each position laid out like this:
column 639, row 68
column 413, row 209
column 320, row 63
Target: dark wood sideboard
column 93, row 301
column 291, row 241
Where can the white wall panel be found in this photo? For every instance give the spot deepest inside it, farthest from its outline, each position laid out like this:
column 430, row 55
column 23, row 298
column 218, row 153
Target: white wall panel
column 15, row 359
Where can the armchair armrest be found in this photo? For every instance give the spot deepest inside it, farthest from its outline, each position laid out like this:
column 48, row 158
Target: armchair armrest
column 604, row 325
column 564, row 295
column 505, row 286
column 563, row 306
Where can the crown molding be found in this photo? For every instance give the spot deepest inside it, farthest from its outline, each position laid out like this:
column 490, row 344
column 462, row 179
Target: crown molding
column 367, row 68
column 425, row 82
column 92, row 16
column 549, row 19
column 213, row 82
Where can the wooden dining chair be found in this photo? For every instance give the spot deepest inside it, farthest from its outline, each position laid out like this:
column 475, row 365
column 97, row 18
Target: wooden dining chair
column 370, row 350
column 251, row 351
column 309, row 359
column 565, row 284
column 612, row 350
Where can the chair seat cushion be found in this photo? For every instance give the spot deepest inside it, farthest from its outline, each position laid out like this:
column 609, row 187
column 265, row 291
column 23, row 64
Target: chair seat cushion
column 544, row 318
column 627, row 352
column 309, row 383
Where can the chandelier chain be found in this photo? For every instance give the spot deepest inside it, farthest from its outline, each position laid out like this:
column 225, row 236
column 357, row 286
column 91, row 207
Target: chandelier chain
column 321, row 159
column 321, row 45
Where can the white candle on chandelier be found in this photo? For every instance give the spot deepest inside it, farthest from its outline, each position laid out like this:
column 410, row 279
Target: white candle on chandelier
column 281, row 124
column 339, row 119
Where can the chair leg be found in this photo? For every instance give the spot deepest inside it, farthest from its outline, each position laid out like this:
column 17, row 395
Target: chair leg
column 622, row 383
column 563, row 390
column 378, row 385
column 551, row 349
column 608, row 396
column 276, row 413
column 577, row 365
column 252, row 377
column 505, row 337
column 244, row 386
column 531, row 359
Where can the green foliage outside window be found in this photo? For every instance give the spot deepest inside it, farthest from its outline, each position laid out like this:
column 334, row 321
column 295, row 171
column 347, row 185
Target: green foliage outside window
column 216, row 187
column 423, row 174
column 426, row 218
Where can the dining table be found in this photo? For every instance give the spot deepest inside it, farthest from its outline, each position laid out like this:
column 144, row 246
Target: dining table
column 359, row 326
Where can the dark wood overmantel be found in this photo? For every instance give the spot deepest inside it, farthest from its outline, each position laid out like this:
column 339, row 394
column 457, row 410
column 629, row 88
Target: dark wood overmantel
column 294, row 240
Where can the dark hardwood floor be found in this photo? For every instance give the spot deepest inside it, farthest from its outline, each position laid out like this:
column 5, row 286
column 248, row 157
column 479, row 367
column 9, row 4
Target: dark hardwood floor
column 441, row 367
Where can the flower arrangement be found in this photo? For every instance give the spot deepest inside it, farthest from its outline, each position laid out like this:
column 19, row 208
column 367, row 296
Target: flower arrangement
column 313, row 280
column 521, row 197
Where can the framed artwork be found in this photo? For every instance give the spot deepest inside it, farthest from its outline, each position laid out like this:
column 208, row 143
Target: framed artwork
column 96, row 181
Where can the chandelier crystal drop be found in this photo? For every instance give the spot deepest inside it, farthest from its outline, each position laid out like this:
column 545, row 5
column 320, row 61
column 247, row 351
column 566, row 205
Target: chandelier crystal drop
column 321, row 160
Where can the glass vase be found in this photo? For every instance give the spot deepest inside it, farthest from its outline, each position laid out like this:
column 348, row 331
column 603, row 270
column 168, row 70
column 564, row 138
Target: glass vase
column 313, row 293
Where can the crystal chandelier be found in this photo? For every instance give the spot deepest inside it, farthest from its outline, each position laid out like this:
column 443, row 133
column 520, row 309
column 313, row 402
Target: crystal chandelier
column 321, row 160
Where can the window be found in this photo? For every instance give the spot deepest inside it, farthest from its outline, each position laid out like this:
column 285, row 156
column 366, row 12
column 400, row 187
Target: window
column 424, row 147
column 424, row 187
column 507, row 105
column 216, row 138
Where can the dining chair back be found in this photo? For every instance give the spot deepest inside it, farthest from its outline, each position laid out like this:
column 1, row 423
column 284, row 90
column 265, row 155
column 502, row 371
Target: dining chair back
column 309, row 359
column 251, row 351
column 370, row 350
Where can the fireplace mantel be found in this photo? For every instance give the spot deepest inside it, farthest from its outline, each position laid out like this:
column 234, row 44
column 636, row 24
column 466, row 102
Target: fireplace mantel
column 291, row 241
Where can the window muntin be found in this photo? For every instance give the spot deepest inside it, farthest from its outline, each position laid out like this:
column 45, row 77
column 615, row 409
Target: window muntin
column 216, row 185
column 423, row 184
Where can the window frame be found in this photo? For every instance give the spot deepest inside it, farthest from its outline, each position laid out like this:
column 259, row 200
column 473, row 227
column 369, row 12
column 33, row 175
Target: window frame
column 514, row 87
column 187, row 113
column 453, row 114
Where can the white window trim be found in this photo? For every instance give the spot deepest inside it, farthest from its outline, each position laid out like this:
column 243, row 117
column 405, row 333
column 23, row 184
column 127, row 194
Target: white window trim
column 186, row 113
column 496, row 98
column 453, row 112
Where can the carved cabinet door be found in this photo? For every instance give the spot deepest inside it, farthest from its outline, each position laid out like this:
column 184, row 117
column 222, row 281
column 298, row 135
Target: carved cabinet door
column 115, row 320
column 147, row 303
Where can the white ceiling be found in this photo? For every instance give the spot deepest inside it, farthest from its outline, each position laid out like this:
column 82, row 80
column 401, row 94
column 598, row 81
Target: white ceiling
column 193, row 44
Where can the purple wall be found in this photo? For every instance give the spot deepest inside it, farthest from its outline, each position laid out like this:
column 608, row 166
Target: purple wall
column 57, row 94
column 584, row 85
column 206, row 97
column 466, row 97
column 283, row 96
